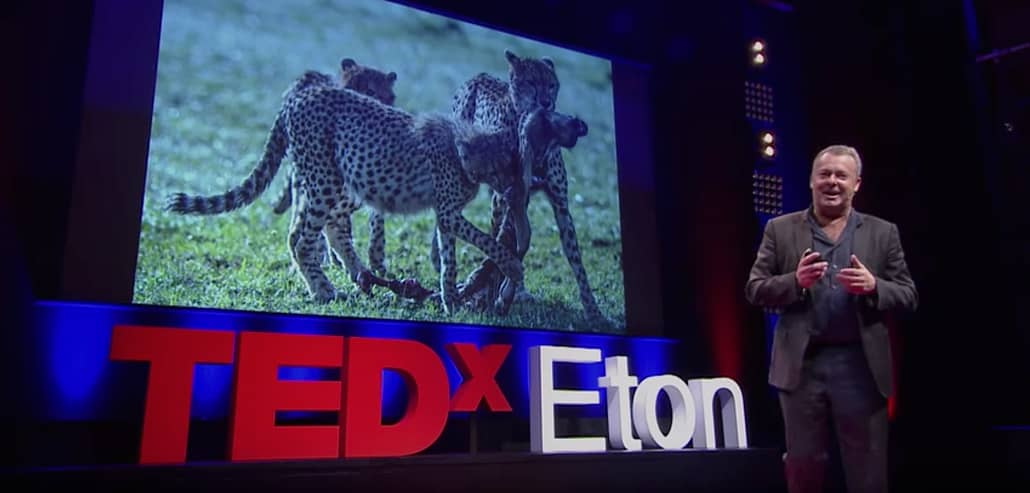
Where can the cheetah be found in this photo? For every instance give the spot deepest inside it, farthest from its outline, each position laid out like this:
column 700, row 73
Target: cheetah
column 540, row 130
column 490, row 102
column 370, row 82
column 351, row 150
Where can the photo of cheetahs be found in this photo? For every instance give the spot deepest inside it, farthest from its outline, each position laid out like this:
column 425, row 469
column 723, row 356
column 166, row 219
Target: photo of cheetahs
column 306, row 158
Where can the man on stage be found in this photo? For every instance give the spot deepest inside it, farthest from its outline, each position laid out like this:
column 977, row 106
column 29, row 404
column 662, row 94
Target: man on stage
column 832, row 273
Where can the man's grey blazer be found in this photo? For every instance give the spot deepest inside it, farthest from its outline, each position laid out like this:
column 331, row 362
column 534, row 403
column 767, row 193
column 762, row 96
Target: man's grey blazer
column 772, row 284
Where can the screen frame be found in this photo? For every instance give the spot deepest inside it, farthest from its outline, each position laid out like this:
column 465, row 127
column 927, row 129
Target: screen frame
column 104, row 221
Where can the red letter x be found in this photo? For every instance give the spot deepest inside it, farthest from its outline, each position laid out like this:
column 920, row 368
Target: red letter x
column 478, row 370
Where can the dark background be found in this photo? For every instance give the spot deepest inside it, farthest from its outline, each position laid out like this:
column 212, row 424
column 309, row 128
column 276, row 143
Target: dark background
column 944, row 139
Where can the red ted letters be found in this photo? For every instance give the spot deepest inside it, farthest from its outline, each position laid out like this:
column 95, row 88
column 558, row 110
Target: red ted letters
column 258, row 392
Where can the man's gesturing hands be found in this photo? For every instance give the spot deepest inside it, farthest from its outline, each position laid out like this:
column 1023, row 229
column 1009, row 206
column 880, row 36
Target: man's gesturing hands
column 855, row 279
column 809, row 271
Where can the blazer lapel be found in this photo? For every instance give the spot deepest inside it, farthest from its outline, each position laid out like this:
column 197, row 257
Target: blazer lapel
column 862, row 243
column 802, row 236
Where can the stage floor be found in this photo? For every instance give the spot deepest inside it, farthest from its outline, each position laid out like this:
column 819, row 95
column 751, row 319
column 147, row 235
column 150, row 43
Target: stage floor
column 722, row 470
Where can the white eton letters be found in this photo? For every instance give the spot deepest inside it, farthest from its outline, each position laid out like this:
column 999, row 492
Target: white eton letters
column 693, row 406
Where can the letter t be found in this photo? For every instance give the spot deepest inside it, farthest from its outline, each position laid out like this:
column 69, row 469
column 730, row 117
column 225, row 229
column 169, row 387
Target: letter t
column 617, row 381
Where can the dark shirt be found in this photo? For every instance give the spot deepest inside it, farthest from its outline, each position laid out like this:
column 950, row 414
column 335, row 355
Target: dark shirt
column 835, row 311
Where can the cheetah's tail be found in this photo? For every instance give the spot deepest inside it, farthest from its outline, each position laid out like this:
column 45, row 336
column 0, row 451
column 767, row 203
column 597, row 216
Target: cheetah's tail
column 246, row 192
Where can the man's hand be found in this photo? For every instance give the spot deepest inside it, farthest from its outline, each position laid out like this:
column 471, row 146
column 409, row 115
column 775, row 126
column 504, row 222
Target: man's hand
column 809, row 271
column 857, row 279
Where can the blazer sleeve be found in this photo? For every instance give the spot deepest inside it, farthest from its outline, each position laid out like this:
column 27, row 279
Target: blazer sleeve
column 895, row 289
column 767, row 286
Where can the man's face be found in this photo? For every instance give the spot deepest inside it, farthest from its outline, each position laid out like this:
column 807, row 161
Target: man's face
column 834, row 182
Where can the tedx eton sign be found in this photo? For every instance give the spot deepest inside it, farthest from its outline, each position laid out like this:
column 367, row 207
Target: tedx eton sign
column 258, row 394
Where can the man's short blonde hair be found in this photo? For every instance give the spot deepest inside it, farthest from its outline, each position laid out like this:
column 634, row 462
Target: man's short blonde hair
column 840, row 150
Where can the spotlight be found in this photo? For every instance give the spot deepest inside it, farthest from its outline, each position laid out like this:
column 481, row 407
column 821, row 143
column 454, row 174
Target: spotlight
column 769, row 151
column 758, row 52
column 767, row 137
column 767, row 193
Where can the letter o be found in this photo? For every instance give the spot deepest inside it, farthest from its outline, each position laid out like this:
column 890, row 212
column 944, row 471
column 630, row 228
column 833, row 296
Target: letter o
column 645, row 415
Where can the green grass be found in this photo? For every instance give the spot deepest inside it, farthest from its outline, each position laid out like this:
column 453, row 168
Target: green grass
column 222, row 69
